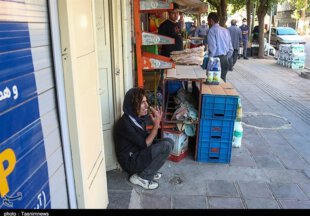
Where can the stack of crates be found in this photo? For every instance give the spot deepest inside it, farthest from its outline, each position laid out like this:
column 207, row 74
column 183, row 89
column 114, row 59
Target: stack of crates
column 216, row 128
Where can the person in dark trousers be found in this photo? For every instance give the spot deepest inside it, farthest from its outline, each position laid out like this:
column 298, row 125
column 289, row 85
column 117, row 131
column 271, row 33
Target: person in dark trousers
column 245, row 37
column 219, row 43
column 236, row 40
column 171, row 28
column 138, row 151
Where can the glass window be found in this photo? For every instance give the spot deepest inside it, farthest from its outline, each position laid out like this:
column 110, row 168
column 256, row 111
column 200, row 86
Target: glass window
column 286, row 31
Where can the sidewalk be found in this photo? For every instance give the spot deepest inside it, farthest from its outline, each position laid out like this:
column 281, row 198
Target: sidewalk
column 271, row 170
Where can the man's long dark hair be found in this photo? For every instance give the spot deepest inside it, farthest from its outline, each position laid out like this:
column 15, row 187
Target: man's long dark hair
column 132, row 103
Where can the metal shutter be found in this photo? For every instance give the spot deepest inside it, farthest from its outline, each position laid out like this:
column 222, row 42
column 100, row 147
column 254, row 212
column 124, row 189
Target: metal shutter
column 31, row 157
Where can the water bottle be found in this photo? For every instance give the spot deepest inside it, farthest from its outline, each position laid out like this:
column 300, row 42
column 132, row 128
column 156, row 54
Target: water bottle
column 210, row 76
column 239, row 110
column 238, row 133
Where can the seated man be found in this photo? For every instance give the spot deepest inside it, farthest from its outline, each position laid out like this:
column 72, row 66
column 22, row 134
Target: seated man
column 138, row 151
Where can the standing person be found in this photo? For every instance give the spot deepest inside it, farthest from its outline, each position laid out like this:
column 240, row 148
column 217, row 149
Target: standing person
column 181, row 22
column 171, row 28
column 202, row 32
column 245, row 37
column 236, row 40
column 139, row 152
column 219, row 43
column 192, row 30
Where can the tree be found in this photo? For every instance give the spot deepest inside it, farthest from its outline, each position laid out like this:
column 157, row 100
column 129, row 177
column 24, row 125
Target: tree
column 221, row 8
column 249, row 9
column 237, row 4
column 262, row 8
column 301, row 7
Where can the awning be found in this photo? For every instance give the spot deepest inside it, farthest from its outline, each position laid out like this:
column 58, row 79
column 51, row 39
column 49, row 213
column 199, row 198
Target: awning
column 192, row 6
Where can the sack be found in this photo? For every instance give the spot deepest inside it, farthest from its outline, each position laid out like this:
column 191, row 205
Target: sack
column 240, row 51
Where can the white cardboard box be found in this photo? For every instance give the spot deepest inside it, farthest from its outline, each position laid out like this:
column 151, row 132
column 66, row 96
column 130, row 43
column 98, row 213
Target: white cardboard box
column 180, row 141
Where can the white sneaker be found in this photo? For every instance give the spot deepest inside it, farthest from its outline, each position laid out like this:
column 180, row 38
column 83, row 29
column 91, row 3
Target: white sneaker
column 146, row 184
column 157, row 176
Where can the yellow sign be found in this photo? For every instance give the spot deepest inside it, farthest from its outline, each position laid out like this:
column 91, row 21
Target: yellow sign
column 9, row 156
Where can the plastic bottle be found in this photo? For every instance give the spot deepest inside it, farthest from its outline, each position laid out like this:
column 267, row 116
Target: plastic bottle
column 210, row 76
column 238, row 133
column 239, row 110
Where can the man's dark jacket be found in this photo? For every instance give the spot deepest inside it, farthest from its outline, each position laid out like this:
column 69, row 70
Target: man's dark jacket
column 131, row 149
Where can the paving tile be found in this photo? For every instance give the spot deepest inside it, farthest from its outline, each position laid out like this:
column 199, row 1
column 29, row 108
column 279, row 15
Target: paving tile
column 293, row 161
column 252, row 140
column 254, row 190
column 225, row 203
column 277, row 176
column 165, row 188
column 191, row 186
column 295, row 204
column 261, row 203
column 298, row 176
column 189, row 202
column 221, row 188
column 241, row 157
column 305, row 188
column 246, row 174
column 118, row 180
column 268, row 162
column 155, row 201
column 287, row 191
column 307, row 173
column 261, row 149
column 272, row 137
column 119, row 200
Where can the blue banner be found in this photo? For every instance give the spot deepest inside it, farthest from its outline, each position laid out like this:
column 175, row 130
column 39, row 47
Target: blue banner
column 24, row 179
column 14, row 36
column 17, row 91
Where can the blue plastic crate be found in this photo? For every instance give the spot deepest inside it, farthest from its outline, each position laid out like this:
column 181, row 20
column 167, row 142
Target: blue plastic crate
column 216, row 130
column 219, row 107
column 173, row 86
column 214, row 152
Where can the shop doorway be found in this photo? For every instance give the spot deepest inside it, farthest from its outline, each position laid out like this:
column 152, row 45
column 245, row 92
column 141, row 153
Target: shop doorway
column 103, row 46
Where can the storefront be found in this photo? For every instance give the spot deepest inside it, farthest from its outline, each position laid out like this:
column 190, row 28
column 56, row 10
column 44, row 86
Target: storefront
column 62, row 85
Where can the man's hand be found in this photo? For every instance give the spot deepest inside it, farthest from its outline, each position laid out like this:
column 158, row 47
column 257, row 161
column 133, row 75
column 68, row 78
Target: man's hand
column 156, row 115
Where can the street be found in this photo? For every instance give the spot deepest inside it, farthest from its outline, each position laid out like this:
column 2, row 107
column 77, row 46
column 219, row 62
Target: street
column 307, row 63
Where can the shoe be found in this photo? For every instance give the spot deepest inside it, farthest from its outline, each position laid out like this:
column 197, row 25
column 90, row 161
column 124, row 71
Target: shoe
column 146, row 184
column 157, row 176
column 230, row 69
column 246, row 58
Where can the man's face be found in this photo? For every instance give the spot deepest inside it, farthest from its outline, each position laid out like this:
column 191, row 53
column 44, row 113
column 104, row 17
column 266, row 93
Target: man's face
column 143, row 107
column 174, row 15
column 210, row 22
